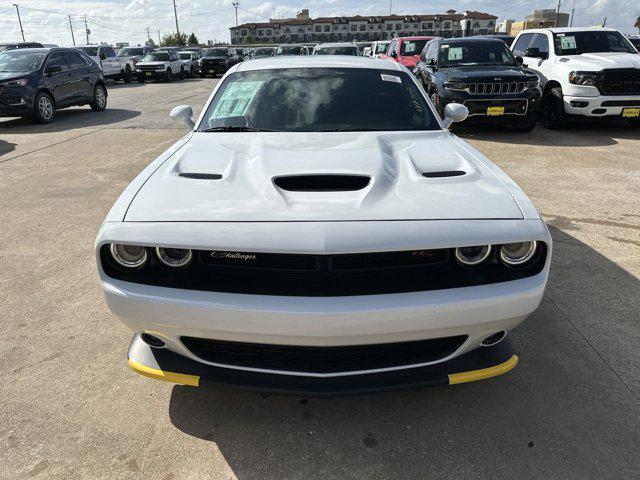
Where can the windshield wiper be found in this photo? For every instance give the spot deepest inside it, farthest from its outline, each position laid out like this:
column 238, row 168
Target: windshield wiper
column 231, row 128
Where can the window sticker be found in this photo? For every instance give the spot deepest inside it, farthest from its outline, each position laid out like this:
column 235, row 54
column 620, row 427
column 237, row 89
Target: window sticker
column 455, row 53
column 568, row 42
column 236, row 99
column 390, row 78
column 409, row 47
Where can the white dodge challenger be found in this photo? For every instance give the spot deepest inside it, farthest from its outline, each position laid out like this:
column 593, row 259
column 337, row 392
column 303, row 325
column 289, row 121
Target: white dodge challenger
column 320, row 231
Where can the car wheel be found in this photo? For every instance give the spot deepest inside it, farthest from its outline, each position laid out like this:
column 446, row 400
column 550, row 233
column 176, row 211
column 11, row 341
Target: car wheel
column 552, row 112
column 169, row 75
column 192, row 72
column 99, row 99
column 182, row 74
column 127, row 74
column 44, row 110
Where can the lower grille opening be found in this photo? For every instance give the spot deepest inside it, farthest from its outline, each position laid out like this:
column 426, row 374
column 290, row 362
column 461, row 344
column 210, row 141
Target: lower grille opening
column 322, row 183
column 302, row 359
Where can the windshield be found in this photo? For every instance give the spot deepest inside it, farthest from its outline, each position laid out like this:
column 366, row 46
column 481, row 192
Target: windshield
column 264, row 52
column 346, row 50
column 289, row 51
column 130, row 52
column 185, row 56
column 381, row 47
column 91, row 51
column 412, row 47
column 635, row 42
column 156, row 57
column 470, row 53
column 576, row 43
column 215, row 52
column 21, row 60
column 319, row 99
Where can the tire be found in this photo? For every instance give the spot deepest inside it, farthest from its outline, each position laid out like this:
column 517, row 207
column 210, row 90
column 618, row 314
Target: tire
column 169, row 75
column 552, row 114
column 192, row 72
column 526, row 124
column 99, row 102
column 44, row 110
column 126, row 78
column 182, row 74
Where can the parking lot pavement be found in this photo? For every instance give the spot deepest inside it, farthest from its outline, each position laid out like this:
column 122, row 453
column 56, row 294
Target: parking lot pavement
column 72, row 409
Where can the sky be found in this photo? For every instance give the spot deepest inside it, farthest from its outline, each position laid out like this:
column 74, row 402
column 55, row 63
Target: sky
column 114, row 21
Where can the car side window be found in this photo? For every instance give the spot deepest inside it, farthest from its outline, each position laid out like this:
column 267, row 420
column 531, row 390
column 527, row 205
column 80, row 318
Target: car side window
column 74, row 60
column 522, row 44
column 57, row 59
column 109, row 52
column 540, row 42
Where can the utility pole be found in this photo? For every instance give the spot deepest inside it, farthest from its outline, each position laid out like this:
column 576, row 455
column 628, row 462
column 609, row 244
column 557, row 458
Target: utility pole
column 604, row 24
column 159, row 41
column 73, row 38
column 86, row 29
column 390, row 7
column 558, row 12
column 175, row 12
column 19, row 21
column 573, row 11
column 148, row 35
column 236, row 5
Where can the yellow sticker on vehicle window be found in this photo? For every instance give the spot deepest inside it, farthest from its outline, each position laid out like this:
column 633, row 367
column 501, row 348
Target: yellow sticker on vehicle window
column 631, row 112
column 495, row 111
column 236, row 99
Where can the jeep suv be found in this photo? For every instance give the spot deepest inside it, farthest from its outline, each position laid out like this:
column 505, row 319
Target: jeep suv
column 160, row 65
column 483, row 75
column 587, row 73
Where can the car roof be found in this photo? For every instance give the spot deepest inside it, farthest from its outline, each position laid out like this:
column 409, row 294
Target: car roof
column 318, row 61
column 415, row 37
column 342, row 44
column 469, row 39
column 569, row 30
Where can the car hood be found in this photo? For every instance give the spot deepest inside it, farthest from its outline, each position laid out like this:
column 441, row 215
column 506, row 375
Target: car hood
column 179, row 190
column 600, row 61
column 11, row 75
column 475, row 72
column 152, row 64
column 213, row 58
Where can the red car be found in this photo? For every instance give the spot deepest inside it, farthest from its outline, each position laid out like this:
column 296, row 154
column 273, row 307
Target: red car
column 406, row 50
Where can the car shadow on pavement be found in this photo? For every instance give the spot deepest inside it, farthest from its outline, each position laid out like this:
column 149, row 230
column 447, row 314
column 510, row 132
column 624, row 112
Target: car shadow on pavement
column 580, row 134
column 6, row 147
column 67, row 119
column 568, row 410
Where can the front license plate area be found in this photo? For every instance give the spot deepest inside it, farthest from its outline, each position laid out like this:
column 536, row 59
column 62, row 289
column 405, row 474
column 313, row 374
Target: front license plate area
column 212, row 71
column 631, row 112
column 495, row 111
column 149, row 74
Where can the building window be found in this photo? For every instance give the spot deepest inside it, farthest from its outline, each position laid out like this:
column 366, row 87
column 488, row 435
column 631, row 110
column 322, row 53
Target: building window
column 243, row 33
column 363, row 27
column 371, row 25
column 399, row 26
column 327, row 28
column 354, row 28
column 318, row 28
column 429, row 25
column 389, row 26
column 261, row 33
column 447, row 25
column 268, row 33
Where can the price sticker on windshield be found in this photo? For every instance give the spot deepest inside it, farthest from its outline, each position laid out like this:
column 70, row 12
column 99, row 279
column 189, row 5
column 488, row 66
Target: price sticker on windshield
column 568, row 42
column 454, row 53
column 236, row 99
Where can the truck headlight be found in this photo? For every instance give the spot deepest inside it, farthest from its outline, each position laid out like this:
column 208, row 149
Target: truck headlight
column 456, row 85
column 584, row 78
column 533, row 83
column 159, row 67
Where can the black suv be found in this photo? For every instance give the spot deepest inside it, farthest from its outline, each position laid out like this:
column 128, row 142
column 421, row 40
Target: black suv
column 35, row 82
column 483, row 75
column 216, row 61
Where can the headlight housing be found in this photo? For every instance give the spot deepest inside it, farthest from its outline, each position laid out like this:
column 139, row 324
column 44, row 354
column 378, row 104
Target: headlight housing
column 174, row 257
column 456, row 86
column 159, row 67
column 514, row 254
column 128, row 256
column 588, row 79
column 16, row 83
column 472, row 256
column 533, row 83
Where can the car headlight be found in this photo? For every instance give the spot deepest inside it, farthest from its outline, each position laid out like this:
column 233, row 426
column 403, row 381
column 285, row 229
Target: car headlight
column 584, row 78
column 471, row 256
column 456, row 85
column 16, row 83
column 159, row 67
column 518, row 253
column 128, row 256
column 174, row 257
column 533, row 83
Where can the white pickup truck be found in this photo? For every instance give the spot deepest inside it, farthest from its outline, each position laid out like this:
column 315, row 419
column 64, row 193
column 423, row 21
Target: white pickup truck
column 587, row 72
column 105, row 56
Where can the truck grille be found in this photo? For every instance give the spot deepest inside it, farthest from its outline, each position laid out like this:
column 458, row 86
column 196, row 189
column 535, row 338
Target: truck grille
column 500, row 88
column 620, row 82
column 322, row 360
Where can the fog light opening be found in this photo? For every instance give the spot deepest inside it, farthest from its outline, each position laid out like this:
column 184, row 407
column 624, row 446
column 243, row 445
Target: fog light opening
column 494, row 339
column 152, row 340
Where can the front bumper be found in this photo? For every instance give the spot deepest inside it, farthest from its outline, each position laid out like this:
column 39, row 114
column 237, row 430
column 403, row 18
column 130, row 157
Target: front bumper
column 15, row 102
column 152, row 75
column 516, row 106
column 163, row 364
column 600, row 106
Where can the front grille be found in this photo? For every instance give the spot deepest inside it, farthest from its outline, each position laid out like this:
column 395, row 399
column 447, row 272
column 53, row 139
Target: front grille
column 321, row 275
column 620, row 82
column 621, row 103
column 213, row 63
column 511, row 107
column 147, row 68
column 322, row 183
column 496, row 88
column 322, row 360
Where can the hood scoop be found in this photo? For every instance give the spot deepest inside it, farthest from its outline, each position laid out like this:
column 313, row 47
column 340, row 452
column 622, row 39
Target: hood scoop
column 322, row 183
column 201, row 176
column 444, row 173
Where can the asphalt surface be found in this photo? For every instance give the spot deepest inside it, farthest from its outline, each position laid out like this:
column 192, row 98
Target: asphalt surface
column 70, row 407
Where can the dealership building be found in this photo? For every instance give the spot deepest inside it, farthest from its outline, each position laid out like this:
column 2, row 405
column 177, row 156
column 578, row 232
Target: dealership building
column 360, row 28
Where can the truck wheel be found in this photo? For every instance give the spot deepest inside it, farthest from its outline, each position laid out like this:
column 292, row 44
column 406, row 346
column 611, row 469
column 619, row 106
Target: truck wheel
column 99, row 99
column 181, row 76
column 43, row 108
column 192, row 72
column 126, row 77
column 552, row 112
column 169, row 75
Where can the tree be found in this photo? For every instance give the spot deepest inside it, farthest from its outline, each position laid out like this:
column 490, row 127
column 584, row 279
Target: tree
column 193, row 40
column 637, row 24
column 174, row 39
column 150, row 43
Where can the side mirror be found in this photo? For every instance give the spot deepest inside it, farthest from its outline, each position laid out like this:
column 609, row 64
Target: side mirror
column 519, row 60
column 431, row 62
column 393, row 54
column 53, row 69
column 455, row 112
column 183, row 113
column 103, row 56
